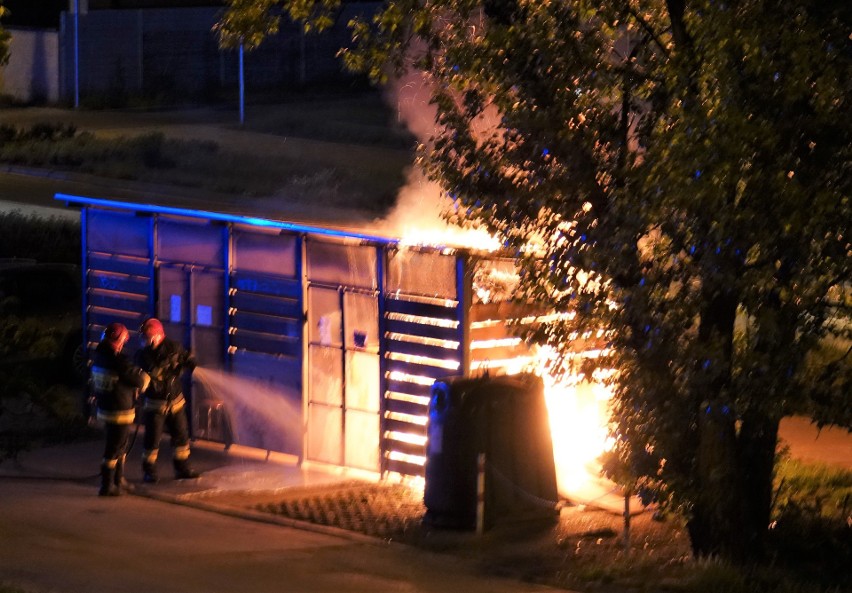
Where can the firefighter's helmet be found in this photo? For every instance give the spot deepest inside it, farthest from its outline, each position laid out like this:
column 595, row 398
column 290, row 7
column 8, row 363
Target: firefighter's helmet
column 152, row 330
column 116, row 334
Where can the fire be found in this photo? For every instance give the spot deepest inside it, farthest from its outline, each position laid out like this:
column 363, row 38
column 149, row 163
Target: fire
column 578, row 425
column 449, row 236
column 577, row 406
column 578, row 414
column 420, row 215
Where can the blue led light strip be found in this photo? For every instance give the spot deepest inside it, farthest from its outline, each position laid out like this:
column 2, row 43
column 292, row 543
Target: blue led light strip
column 218, row 216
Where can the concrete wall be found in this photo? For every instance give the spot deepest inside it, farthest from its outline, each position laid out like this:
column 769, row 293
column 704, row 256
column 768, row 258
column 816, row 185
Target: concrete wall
column 32, row 73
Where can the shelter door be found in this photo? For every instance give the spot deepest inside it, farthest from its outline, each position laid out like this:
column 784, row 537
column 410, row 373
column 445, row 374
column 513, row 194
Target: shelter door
column 344, row 377
column 190, row 306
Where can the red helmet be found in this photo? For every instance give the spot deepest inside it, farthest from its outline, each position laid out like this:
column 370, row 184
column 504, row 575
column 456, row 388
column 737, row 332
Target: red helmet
column 151, row 329
column 116, row 334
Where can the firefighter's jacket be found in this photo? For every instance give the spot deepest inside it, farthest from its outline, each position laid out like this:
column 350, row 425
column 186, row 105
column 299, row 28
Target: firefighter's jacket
column 115, row 380
column 165, row 364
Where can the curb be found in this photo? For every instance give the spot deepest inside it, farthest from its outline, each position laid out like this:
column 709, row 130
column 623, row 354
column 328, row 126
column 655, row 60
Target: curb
column 259, row 516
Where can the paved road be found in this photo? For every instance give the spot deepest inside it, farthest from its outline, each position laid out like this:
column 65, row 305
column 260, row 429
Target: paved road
column 58, row 536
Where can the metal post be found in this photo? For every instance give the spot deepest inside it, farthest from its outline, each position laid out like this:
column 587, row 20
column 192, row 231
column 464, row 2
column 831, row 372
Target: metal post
column 242, row 89
column 76, row 54
column 480, row 494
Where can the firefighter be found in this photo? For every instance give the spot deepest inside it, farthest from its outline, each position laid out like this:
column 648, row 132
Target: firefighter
column 115, row 382
column 164, row 405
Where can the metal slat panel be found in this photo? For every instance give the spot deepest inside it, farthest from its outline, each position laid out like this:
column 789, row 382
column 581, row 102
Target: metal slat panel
column 391, row 424
column 407, row 387
column 424, row 310
column 403, row 347
column 122, row 302
column 404, row 407
column 499, row 353
column 405, row 448
column 266, row 323
column 266, row 343
column 406, row 469
column 267, row 285
column 102, row 317
column 93, row 335
column 118, row 282
column 420, row 329
column 416, row 369
column 501, row 311
column 256, row 303
column 490, row 332
column 133, row 267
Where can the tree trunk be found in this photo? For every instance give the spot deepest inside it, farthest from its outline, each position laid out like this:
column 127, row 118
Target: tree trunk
column 718, row 510
column 758, row 439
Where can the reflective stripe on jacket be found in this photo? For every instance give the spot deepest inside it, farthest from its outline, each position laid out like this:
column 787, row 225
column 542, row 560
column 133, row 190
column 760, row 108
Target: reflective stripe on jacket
column 161, row 406
column 117, row 417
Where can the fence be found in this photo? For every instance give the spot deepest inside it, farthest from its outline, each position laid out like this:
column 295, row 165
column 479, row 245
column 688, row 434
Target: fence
column 163, row 51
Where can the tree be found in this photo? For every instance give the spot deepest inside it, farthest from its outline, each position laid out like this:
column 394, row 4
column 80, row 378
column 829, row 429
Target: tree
column 5, row 37
column 675, row 172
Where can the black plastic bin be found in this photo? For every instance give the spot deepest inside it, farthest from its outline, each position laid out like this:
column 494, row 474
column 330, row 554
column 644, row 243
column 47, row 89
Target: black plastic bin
column 506, row 419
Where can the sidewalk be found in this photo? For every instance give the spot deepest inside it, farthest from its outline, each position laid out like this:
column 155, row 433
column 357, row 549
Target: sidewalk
column 60, row 536
column 223, row 471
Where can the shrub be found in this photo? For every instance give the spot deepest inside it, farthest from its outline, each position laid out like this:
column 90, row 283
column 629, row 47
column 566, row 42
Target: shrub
column 52, row 239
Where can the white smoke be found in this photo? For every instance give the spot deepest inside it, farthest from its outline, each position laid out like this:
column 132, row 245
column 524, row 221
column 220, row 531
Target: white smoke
column 419, row 215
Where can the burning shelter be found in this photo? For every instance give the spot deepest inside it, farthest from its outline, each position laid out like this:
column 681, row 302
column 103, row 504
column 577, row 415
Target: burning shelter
column 342, row 332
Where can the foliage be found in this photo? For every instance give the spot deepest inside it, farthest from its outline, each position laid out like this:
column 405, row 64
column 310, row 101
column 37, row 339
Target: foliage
column 33, row 406
column 675, row 172
column 5, row 37
column 42, row 239
column 35, row 402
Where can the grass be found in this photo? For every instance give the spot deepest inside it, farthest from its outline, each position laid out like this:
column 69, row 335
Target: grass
column 323, row 149
column 824, row 489
column 351, row 118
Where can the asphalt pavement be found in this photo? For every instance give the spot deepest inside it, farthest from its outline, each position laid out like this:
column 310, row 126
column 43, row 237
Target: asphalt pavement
column 57, row 535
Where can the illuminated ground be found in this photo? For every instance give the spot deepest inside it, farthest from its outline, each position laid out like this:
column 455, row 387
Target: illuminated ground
column 562, row 553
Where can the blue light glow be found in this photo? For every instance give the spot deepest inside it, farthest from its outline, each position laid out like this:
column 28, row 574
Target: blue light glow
column 218, row 216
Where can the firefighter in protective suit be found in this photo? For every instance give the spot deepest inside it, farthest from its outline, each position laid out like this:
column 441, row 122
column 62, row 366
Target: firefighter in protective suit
column 115, row 381
column 163, row 405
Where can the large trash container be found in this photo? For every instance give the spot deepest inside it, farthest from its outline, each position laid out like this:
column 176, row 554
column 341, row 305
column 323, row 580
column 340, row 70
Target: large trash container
column 506, row 419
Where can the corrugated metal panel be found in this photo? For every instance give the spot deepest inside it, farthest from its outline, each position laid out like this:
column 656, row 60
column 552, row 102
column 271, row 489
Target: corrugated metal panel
column 422, row 342
column 117, row 289
column 265, row 314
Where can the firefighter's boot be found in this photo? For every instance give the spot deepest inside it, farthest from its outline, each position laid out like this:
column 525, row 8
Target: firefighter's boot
column 108, row 487
column 149, row 473
column 183, row 471
column 120, row 480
